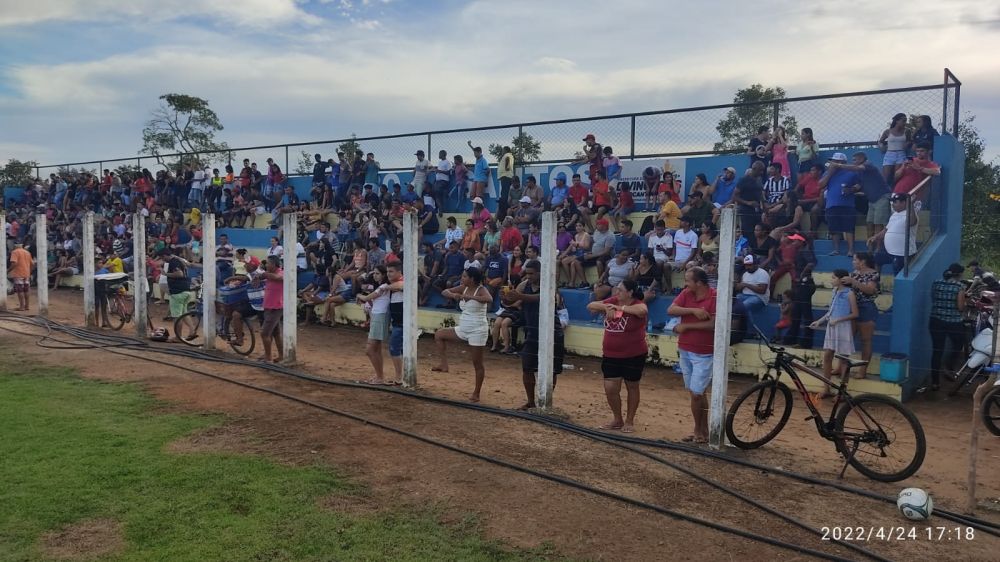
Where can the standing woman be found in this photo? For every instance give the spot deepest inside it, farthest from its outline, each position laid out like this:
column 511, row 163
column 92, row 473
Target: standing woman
column 867, row 285
column 807, row 150
column 779, row 151
column 894, row 143
column 473, row 327
column 624, row 350
column 378, row 328
column 947, row 306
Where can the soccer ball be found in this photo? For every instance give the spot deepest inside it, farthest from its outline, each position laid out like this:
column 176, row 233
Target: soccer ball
column 915, row 504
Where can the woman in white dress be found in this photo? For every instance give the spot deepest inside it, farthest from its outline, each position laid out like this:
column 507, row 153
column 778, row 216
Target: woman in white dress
column 473, row 327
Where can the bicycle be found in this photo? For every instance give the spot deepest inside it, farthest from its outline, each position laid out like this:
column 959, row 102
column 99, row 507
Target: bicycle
column 187, row 328
column 121, row 307
column 853, row 426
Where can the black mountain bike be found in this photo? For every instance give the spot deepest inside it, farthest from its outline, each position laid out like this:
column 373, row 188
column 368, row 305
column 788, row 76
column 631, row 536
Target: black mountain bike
column 877, row 435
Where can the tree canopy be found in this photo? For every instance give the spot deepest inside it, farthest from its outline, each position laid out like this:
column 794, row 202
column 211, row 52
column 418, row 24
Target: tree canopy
column 524, row 146
column 742, row 122
column 17, row 173
column 184, row 125
column 980, row 205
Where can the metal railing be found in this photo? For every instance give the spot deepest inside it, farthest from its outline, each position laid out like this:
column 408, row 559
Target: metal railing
column 844, row 120
column 913, row 203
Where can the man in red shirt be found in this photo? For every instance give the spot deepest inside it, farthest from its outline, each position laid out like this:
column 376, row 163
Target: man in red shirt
column 910, row 174
column 510, row 237
column 580, row 194
column 695, row 338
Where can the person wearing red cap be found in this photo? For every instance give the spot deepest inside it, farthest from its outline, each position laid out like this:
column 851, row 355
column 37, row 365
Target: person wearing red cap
column 254, row 305
column 788, row 251
column 593, row 153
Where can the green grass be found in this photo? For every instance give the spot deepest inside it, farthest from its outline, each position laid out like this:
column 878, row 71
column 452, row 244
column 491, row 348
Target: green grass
column 73, row 449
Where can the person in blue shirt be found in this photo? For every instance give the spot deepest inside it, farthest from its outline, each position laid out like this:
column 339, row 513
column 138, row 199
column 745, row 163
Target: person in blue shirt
column 454, row 262
column 372, row 168
column 629, row 240
column 496, row 269
column 723, row 188
column 558, row 193
column 410, row 195
column 480, row 174
column 874, row 189
column 841, row 185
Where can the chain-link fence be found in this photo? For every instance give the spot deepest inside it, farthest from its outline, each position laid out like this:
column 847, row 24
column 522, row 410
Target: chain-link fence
column 837, row 120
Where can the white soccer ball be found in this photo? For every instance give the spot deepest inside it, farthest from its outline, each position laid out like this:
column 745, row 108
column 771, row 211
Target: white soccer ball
column 915, row 504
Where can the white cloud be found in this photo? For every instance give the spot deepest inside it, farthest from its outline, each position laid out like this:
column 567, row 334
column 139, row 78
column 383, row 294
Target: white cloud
column 255, row 13
column 485, row 63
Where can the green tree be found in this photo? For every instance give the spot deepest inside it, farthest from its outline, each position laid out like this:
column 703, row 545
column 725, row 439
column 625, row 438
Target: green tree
column 304, row 166
column 17, row 173
column 524, row 146
column 981, row 198
column 349, row 147
column 742, row 122
column 183, row 125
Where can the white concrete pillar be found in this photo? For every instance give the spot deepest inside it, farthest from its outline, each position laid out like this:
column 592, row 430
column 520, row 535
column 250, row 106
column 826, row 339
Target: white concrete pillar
column 3, row 261
column 42, row 261
column 546, row 312
column 723, row 326
column 209, row 287
column 289, row 321
column 140, row 315
column 411, row 237
column 87, row 267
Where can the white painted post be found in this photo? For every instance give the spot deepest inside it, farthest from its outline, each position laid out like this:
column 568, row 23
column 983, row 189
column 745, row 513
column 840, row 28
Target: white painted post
column 411, row 237
column 3, row 261
column 289, row 321
column 546, row 313
column 90, row 320
column 723, row 326
column 139, row 283
column 42, row 260
column 209, row 288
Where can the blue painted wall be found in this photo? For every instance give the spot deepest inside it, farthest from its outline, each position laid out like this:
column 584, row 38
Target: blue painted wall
column 911, row 294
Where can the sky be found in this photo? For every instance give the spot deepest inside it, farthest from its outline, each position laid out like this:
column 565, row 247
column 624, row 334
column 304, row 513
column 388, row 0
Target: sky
column 78, row 78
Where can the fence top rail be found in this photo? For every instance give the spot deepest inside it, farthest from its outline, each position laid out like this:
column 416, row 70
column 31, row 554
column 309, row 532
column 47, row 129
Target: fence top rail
column 954, row 83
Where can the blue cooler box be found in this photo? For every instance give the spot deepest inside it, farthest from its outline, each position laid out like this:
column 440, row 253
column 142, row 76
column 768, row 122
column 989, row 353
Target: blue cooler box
column 228, row 295
column 894, row 367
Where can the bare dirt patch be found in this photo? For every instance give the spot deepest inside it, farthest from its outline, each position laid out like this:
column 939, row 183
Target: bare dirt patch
column 84, row 540
column 525, row 511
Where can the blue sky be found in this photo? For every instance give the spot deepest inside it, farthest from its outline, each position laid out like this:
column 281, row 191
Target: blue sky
column 79, row 77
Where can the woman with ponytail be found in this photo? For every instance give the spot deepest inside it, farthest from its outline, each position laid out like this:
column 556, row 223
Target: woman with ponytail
column 624, row 350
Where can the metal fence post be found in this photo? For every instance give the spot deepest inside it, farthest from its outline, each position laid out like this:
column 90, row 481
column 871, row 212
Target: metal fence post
column 906, row 237
column 287, row 171
column 954, row 120
column 631, row 152
column 420, row 188
column 774, row 117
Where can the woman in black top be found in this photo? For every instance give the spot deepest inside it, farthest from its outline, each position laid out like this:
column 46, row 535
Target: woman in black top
column 646, row 275
column 762, row 246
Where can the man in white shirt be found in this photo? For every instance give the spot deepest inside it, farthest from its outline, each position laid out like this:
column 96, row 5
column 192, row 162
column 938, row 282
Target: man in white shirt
column 753, row 285
column 893, row 236
column 442, row 177
column 662, row 245
column 197, row 187
column 420, row 169
column 685, row 244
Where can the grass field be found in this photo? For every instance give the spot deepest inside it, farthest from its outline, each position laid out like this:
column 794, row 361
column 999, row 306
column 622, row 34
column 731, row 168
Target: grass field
column 77, row 450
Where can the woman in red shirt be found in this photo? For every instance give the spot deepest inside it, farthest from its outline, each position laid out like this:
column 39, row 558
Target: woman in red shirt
column 624, row 350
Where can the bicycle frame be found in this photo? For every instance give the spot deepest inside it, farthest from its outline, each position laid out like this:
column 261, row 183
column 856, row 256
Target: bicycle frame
column 790, row 365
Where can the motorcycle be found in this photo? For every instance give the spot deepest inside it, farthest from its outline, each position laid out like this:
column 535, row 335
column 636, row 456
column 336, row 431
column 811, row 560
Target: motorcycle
column 980, row 299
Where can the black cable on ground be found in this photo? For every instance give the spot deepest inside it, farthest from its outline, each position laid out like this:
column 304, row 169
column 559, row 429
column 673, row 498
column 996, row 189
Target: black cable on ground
column 611, row 439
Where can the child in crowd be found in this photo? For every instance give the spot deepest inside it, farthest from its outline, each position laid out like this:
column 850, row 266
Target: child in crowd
column 786, row 314
column 839, row 338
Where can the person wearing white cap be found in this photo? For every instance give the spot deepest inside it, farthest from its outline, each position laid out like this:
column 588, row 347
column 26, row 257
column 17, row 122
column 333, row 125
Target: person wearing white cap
column 525, row 216
column 753, row 285
column 841, row 185
column 480, row 216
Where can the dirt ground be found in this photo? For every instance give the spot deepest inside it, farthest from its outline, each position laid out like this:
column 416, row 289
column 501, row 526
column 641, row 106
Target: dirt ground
column 525, row 511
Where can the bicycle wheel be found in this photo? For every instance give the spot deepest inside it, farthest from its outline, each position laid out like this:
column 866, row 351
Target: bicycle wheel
column 249, row 339
column 116, row 314
column 990, row 410
column 880, row 437
column 187, row 328
column 759, row 414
